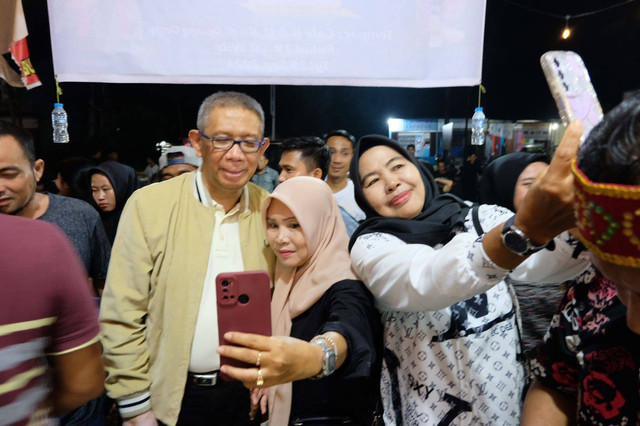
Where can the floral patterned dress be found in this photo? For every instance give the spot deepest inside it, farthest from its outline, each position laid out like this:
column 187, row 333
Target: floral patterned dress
column 590, row 353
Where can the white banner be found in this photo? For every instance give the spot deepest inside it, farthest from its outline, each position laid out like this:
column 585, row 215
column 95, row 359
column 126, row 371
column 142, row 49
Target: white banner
column 402, row 43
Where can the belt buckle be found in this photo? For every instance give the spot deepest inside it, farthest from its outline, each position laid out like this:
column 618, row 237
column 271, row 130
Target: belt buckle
column 205, row 379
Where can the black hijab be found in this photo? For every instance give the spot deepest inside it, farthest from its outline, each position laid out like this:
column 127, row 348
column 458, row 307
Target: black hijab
column 124, row 181
column 437, row 223
column 498, row 182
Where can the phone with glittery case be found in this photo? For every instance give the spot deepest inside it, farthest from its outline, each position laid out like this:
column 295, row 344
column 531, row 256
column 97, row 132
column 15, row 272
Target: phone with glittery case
column 571, row 88
column 244, row 305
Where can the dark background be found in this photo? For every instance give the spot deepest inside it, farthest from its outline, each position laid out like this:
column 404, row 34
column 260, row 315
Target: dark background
column 133, row 117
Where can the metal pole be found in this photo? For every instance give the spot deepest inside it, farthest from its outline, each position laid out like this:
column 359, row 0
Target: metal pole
column 272, row 108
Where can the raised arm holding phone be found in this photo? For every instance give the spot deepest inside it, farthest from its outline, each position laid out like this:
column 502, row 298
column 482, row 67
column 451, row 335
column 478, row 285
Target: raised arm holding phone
column 439, row 280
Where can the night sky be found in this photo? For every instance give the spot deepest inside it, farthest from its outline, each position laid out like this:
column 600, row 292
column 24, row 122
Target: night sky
column 133, row 117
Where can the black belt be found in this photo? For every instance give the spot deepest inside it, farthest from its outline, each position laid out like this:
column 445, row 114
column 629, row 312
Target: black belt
column 321, row 421
column 211, row 378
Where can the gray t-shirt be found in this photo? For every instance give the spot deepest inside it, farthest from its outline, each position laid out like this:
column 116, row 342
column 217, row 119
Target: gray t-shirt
column 82, row 225
column 267, row 180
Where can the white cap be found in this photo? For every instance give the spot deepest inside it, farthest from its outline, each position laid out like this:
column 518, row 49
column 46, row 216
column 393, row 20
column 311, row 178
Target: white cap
column 188, row 157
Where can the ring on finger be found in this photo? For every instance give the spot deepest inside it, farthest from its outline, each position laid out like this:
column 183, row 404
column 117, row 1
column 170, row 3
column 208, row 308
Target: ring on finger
column 260, row 380
column 258, row 361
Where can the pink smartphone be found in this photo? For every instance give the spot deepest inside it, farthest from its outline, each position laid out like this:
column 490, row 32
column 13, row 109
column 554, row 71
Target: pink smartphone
column 244, row 304
column 571, row 88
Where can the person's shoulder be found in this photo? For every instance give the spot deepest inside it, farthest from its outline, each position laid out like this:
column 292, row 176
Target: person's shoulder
column 24, row 227
column 350, row 287
column 349, row 284
column 346, row 217
column 35, row 236
column 350, row 188
column 58, row 202
column 166, row 191
column 372, row 245
column 377, row 238
column 345, row 193
column 75, row 217
column 257, row 195
column 491, row 215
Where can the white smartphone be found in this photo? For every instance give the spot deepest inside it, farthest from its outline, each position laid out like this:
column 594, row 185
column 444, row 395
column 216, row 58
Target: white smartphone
column 571, row 88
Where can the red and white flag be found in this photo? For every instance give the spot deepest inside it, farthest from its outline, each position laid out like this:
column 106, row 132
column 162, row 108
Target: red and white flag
column 13, row 38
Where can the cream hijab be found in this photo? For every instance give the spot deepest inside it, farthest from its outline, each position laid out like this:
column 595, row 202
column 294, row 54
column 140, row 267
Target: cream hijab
column 297, row 289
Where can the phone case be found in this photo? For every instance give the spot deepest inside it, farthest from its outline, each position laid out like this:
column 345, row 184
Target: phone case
column 244, row 304
column 571, row 88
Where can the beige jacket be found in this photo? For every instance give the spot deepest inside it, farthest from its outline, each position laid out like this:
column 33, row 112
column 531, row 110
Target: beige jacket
column 152, row 295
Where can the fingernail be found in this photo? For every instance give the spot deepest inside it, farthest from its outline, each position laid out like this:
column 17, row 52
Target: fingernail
column 228, row 336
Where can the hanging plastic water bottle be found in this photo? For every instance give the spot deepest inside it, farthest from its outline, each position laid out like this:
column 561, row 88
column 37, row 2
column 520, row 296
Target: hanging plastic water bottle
column 59, row 121
column 478, row 122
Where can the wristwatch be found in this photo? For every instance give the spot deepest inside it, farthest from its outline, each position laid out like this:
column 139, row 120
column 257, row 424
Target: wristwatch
column 328, row 358
column 516, row 241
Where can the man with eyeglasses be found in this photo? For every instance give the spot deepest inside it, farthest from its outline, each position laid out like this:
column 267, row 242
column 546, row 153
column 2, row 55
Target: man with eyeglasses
column 158, row 314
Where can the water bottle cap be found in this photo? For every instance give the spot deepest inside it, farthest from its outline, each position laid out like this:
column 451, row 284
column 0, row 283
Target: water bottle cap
column 479, row 109
column 56, row 105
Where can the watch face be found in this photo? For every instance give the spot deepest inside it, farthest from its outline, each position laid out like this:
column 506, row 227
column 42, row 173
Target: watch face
column 331, row 362
column 514, row 242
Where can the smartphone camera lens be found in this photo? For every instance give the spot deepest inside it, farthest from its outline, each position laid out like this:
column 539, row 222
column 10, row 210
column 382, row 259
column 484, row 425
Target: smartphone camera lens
column 225, row 283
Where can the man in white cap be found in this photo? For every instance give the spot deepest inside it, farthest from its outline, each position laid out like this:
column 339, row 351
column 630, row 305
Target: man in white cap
column 178, row 160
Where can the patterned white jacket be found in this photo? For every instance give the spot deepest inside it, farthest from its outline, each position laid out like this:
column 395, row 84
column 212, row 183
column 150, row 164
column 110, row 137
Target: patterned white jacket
column 451, row 341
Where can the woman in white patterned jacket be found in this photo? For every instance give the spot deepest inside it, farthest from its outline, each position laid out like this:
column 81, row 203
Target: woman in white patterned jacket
column 450, row 334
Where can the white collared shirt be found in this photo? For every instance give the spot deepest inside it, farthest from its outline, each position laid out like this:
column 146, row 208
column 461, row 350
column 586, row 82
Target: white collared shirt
column 225, row 256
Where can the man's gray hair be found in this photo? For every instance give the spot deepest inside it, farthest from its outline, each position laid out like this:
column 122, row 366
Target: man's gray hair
column 228, row 99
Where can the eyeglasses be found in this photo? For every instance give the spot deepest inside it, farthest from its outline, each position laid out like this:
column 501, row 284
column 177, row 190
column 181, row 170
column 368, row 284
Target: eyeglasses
column 224, row 143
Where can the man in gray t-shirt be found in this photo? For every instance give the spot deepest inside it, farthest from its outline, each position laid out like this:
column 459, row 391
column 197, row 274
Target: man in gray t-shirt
column 20, row 170
column 82, row 224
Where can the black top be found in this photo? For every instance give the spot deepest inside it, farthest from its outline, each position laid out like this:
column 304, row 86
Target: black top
column 353, row 390
column 469, row 179
column 82, row 225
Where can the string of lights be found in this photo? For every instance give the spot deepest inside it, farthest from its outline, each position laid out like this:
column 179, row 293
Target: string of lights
column 566, row 33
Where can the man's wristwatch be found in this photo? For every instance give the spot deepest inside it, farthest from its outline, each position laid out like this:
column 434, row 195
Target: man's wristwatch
column 516, row 241
column 328, row 358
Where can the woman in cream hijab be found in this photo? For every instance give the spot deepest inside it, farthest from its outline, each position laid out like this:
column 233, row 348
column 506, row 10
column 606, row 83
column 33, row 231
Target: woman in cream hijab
column 324, row 324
